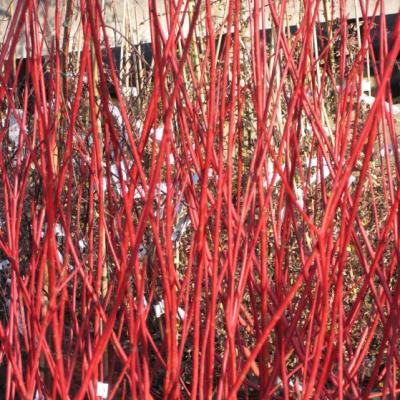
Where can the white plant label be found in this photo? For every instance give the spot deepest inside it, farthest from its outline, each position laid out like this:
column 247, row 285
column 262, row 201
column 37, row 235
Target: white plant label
column 180, row 313
column 82, row 245
column 14, row 128
column 38, row 396
column 102, row 390
column 159, row 309
column 59, row 230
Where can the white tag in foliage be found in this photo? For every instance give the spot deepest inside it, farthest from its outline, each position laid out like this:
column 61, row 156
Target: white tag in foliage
column 158, row 133
column 38, row 396
column 102, row 390
column 180, row 313
column 14, row 128
column 159, row 309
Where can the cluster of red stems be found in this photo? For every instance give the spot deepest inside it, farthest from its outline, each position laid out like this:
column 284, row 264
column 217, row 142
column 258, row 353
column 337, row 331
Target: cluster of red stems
column 241, row 241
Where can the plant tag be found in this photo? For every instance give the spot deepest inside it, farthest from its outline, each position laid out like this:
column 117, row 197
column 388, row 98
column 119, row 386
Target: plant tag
column 159, row 134
column 181, row 313
column 14, row 127
column 82, row 245
column 59, row 230
column 102, row 390
column 159, row 309
column 38, row 396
